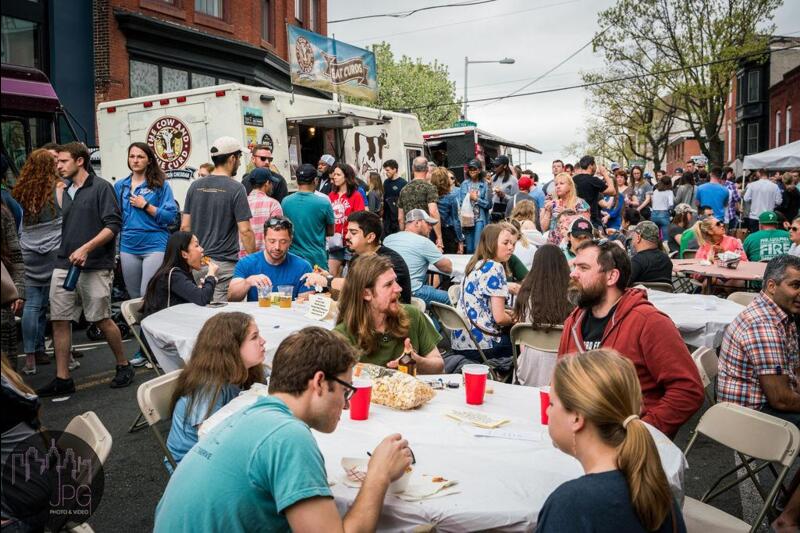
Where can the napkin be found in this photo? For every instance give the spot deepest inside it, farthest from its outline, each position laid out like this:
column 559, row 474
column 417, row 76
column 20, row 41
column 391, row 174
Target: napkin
column 476, row 418
column 427, row 488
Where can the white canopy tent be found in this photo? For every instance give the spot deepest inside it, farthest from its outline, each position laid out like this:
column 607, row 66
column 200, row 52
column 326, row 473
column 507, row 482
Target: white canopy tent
column 784, row 157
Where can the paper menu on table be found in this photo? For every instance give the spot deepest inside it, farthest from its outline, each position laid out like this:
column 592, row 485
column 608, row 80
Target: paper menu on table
column 476, row 418
column 320, row 307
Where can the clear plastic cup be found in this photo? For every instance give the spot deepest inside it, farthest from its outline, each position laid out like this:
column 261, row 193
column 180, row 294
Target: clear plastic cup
column 285, row 292
column 264, row 297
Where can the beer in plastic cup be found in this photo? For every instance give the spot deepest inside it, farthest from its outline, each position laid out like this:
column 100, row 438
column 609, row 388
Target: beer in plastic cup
column 544, row 403
column 475, row 382
column 286, row 292
column 264, row 297
column 359, row 403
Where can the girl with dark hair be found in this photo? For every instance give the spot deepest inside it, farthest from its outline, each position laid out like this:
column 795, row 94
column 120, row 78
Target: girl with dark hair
column 345, row 199
column 173, row 283
column 228, row 357
column 39, row 191
column 686, row 192
column 595, row 401
column 475, row 187
column 542, row 301
column 663, row 202
column 641, row 192
column 148, row 208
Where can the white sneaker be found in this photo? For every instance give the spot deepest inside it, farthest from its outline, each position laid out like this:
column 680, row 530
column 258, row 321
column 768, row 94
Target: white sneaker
column 73, row 363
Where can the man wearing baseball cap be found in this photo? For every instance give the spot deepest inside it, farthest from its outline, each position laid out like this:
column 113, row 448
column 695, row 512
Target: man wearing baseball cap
column 580, row 231
column 769, row 241
column 312, row 216
column 262, row 205
column 650, row 262
column 420, row 253
column 217, row 212
column 324, row 166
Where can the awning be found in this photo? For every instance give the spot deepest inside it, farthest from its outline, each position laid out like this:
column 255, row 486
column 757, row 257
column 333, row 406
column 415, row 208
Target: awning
column 27, row 89
column 433, row 136
column 781, row 158
column 339, row 120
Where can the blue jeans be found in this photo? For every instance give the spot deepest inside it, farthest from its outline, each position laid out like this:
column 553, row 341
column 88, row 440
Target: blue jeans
column 661, row 219
column 472, row 236
column 428, row 294
column 34, row 318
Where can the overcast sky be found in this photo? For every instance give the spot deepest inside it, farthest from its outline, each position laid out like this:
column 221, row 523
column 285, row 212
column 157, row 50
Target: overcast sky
column 538, row 34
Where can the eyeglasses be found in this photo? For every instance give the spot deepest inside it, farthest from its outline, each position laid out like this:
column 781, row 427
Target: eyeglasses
column 349, row 389
column 794, row 228
column 264, row 158
column 275, row 222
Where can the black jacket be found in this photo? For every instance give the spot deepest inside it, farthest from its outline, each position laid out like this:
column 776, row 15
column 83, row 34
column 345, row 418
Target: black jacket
column 182, row 290
column 93, row 209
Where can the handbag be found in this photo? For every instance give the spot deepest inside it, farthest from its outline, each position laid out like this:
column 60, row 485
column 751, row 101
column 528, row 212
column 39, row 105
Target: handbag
column 9, row 290
column 466, row 214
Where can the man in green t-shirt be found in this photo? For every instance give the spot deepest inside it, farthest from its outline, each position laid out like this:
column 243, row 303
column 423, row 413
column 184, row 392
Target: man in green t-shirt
column 373, row 320
column 261, row 470
column 768, row 241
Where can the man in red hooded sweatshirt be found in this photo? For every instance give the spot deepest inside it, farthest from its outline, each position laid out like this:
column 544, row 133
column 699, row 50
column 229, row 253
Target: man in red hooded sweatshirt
column 608, row 314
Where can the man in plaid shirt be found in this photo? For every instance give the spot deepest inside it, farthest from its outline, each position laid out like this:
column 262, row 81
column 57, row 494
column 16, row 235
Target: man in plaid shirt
column 732, row 210
column 758, row 363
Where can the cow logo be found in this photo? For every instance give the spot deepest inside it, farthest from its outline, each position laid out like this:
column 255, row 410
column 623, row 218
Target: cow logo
column 305, row 55
column 52, row 479
column 171, row 141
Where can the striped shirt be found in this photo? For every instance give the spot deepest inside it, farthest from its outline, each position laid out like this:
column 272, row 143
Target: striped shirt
column 761, row 341
column 262, row 208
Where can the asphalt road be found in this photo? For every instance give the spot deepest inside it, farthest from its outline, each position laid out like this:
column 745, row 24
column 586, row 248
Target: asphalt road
column 135, row 477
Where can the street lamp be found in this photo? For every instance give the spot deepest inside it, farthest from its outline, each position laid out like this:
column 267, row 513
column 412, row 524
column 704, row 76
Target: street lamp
column 504, row 61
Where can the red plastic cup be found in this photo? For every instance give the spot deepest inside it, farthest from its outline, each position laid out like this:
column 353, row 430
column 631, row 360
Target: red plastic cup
column 544, row 403
column 475, row 382
column 359, row 403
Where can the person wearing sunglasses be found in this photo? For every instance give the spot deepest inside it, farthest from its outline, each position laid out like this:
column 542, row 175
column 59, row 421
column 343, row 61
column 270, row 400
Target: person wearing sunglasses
column 794, row 236
column 713, row 240
column 262, row 158
column 272, row 267
column 768, row 241
column 262, row 470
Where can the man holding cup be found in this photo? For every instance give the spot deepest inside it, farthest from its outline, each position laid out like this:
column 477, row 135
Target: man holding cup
column 274, row 266
column 263, row 471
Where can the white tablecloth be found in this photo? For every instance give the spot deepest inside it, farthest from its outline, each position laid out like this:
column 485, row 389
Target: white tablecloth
column 701, row 319
column 172, row 332
column 459, row 266
column 502, row 483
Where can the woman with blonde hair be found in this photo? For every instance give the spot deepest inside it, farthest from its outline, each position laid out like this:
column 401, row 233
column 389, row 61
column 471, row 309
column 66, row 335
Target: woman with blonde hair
column 564, row 197
column 227, row 358
column 595, row 401
column 712, row 240
column 527, row 215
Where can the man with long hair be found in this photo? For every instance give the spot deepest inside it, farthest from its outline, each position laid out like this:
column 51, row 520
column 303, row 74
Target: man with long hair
column 608, row 314
column 378, row 325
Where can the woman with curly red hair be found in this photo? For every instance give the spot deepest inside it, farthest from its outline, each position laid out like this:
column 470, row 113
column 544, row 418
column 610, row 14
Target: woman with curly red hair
column 39, row 191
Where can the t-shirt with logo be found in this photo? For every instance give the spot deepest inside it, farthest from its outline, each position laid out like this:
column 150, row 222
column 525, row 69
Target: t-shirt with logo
column 289, row 272
column 765, row 244
column 417, row 195
column 592, row 329
column 343, row 205
column 392, row 188
column 216, row 205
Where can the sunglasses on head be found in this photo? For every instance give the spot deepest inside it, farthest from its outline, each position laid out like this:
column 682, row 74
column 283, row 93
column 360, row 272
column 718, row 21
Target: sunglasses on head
column 349, row 389
column 265, row 158
column 279, row 223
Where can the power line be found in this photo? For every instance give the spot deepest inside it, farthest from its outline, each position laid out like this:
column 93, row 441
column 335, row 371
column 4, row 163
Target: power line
column 602, row 82
column 405, row 14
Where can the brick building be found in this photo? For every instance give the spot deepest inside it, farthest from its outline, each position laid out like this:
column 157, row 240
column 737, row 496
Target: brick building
column 784, row 109
column 151, row 46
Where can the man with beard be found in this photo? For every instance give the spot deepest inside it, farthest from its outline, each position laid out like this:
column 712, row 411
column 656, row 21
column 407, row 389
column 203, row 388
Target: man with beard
column 273, row 267
column 324, row 167
column 363, row 238
column 262, row 158
column 382, row 329
column 610, row 315
column 218, row 213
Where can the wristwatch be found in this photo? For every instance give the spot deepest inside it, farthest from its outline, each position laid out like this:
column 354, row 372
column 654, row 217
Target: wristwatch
column 146, row 204
column 329, row 279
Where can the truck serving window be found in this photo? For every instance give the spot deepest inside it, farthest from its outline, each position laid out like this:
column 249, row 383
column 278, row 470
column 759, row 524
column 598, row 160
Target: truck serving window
column 22, row 134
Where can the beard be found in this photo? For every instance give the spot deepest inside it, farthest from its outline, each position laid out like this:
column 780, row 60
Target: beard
column 585, row 296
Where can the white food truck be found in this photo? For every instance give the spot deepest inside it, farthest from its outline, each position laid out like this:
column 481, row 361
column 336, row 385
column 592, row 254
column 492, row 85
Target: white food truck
column 180, row 127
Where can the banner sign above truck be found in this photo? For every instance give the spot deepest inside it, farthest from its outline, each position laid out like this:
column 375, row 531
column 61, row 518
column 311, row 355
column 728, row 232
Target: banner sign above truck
column 330, row 65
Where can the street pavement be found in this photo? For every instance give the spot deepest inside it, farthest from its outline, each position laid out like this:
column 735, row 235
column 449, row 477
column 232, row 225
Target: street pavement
column 135, row 477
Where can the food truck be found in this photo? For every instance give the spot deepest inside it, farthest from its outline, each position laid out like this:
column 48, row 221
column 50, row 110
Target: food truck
column 180, row 127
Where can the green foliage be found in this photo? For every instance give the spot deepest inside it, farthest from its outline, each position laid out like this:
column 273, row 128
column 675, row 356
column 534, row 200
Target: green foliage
column 406, row 84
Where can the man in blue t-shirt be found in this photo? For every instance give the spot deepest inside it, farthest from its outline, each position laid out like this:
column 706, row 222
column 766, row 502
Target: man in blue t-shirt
column 261, row 469
column 312, row 216
column 273, row 267
column 715, row 195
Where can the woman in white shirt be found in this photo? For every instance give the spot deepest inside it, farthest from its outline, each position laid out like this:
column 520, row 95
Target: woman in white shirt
column 663, row 200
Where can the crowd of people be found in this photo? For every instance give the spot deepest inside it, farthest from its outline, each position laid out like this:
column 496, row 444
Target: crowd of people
column 566, row 255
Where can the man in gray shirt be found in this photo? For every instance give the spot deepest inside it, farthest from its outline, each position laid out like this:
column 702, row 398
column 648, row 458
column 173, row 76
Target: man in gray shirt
column 218, row 213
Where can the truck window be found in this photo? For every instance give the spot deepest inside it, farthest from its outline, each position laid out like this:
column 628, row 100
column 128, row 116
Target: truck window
column 23, row 134
column 411, row 153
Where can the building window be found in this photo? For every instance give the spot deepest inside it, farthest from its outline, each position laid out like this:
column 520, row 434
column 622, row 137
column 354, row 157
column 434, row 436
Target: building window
column 201, row 80
column 730, row 143
column 20, row 42
column 266, row 20
column 212, row 8
column 298, row 9
column 174, row 80
column 788, row 125
column 740, row 90
column 752, row 139
column 753, row 86
column 313, row 15
column 777, row 128
column 144, row 79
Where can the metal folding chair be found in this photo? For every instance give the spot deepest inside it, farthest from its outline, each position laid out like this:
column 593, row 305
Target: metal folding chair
column 452, row 319
column 155, row 398
column 132, row 314
column 543, row 339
